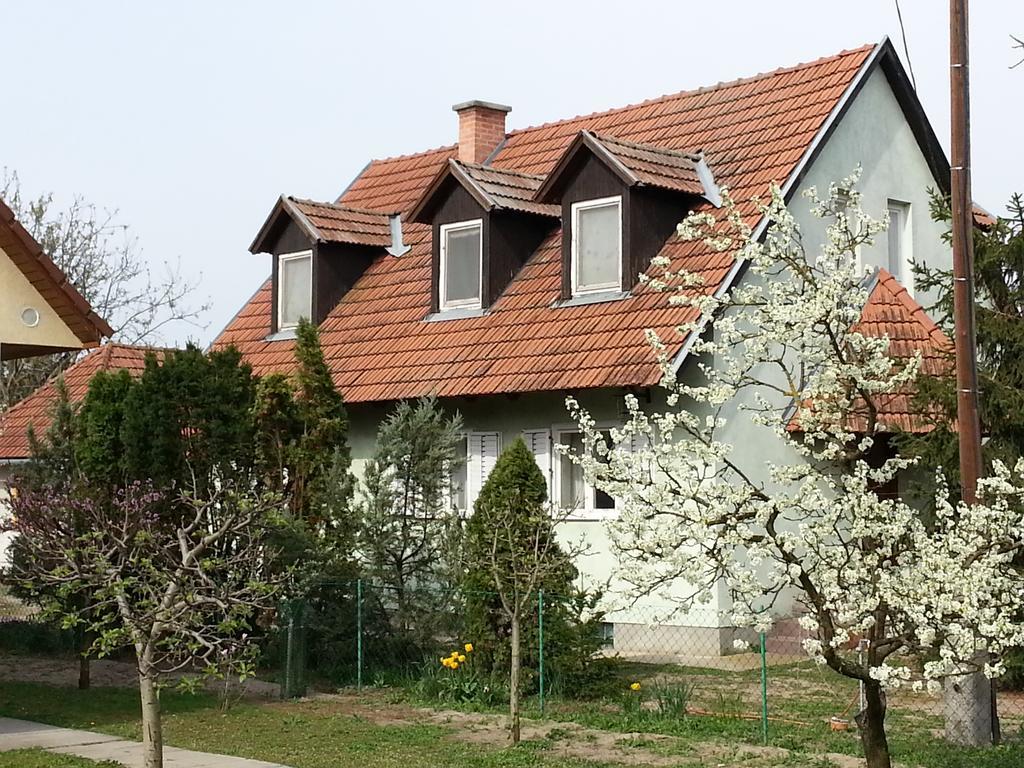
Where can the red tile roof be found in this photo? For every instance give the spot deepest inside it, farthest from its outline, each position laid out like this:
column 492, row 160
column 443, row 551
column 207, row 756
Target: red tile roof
column 752, row 132
column 892, row 312
column 52, row 284
column 493, row 188
column 635, row 163
column 340, row 224
column 35, row 409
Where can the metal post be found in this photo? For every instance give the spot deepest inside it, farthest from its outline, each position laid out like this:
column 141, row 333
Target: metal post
column 540, row 641
column 764, row 690
column 287, row 690
column 359, row 634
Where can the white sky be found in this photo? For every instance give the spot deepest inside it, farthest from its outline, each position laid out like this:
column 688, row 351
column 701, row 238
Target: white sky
column 192, row 117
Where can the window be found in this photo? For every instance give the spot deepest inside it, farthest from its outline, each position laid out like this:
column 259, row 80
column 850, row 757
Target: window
column 459, row 282
column 597, row 245
column 899, row 244
column 574, row 492
column 294, row 288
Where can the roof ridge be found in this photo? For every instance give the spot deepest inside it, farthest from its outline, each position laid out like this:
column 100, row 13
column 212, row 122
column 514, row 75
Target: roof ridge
column 701, row 89
column 396, row 158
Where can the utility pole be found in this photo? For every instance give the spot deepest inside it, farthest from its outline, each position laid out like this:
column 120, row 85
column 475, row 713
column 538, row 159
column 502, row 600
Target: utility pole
column 970, row 699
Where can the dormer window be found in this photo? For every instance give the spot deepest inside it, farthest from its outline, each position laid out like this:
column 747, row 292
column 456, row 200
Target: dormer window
column 597, row 245
column 295, row 288
column 461, row 265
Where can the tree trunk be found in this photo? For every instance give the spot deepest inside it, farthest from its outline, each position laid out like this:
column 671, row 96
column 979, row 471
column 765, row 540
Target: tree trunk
column 152, row 729
column 84, row 676
column 513, row 682
column 871, row 722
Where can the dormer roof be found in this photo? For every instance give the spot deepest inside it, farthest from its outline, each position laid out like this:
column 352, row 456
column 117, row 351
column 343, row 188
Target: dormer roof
column 636, row 164
column 325, row 223
column 492, row 188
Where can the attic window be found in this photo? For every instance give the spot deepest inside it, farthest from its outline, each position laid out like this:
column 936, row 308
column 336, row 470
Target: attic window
column 294, row 288
column 597, row 245
column 460, row 284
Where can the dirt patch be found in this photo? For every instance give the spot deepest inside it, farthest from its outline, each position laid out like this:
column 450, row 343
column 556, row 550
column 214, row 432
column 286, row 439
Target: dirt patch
column 104, row 673
column 568, row 740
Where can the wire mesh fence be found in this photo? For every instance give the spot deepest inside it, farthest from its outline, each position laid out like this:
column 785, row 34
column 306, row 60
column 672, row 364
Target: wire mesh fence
column 643, row 665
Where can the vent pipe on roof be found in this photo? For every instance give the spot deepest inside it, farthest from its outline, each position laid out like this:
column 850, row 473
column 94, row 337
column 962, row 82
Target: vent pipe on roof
column 707, row 180
column 397, row 247
column 481, row 129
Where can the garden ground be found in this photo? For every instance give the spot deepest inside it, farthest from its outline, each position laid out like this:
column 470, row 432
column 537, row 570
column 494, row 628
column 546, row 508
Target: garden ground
column 385, row 728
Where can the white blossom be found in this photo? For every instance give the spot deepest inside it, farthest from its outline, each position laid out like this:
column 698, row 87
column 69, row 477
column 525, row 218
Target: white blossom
column 879, row 586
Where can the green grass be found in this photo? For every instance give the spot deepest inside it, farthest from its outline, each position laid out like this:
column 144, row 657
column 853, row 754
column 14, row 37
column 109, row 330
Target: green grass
column 324, row 734
column 302, row 734
column 37, row 758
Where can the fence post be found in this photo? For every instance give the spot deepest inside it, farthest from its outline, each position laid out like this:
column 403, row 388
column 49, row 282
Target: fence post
column 764, row 690
column 359, row 634
column 540, row 641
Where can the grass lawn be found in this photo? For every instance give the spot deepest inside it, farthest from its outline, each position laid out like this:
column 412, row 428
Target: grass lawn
column 37, row 758
column 383, row 730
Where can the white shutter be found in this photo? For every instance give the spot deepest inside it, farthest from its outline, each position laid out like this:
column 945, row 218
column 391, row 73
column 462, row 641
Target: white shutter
column 484, row 448
column 539, row 443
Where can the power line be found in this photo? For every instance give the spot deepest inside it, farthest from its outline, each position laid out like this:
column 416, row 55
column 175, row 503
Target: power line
column 906, row 49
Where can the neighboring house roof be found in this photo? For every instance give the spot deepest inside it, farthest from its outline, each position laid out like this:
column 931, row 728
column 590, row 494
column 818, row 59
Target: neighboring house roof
column 35, row 409
column 51, row 283
column 893, row 313
column 751, row 132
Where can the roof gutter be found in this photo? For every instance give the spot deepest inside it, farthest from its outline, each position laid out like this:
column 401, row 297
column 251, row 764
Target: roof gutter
column 789, row 187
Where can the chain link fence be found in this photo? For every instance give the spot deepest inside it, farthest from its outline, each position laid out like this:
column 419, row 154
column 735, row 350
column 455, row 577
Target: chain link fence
column 645, row 663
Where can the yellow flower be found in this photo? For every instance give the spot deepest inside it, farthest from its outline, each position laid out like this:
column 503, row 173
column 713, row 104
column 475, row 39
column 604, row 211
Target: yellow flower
column 469, row 647
column 461, row 658
column 446, row 662
column 634, row 687
column 454, row 665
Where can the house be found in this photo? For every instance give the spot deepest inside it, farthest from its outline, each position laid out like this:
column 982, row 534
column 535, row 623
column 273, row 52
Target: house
column 501, row 273
column 34, row 411
column 40, row 311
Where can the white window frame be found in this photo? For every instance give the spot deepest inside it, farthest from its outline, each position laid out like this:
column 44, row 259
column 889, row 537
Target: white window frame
column 281, row 259
column 575, row 208
column 906, row 275
column 443, row 303
column 588, row 511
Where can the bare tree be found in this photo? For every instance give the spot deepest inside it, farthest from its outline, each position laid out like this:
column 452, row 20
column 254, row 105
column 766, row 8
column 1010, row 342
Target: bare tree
column 183, row 589
column 103, row 261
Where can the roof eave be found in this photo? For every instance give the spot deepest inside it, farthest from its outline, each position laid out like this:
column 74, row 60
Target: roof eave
column 283, row 207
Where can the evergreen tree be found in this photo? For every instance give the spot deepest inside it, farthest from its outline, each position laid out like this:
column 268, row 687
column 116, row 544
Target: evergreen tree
column 511, row 553
column 999, row 317
column 408, row 532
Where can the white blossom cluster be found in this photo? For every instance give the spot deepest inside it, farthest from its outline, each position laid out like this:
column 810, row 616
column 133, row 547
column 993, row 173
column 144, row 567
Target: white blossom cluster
column 778, row 354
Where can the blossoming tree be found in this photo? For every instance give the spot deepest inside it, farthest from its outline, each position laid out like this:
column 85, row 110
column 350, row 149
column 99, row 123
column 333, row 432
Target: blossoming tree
column 803, row 526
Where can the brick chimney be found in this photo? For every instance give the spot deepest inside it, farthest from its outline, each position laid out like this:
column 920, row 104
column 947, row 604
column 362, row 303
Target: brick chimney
column 481, row 129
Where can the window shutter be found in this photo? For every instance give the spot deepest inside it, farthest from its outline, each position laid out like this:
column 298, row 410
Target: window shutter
column 539, row 443
column 483, row 454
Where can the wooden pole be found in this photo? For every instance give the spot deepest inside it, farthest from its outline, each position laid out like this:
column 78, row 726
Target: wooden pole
column 963, row 254
column 968, row 423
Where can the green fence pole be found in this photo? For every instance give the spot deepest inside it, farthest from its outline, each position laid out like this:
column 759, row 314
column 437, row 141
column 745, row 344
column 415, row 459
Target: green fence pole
column 359, row 634
column 540, row 640
column 289, row 655
column 764, row 690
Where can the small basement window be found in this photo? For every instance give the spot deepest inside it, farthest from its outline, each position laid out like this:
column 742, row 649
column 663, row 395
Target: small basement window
column 597, row 245
column 294, row 288
column 459, row 283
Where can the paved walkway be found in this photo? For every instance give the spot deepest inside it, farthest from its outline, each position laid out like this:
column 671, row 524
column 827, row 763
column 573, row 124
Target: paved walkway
column 22, row 734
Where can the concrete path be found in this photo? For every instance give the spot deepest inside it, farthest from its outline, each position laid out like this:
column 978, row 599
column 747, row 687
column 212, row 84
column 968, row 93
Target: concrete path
column 22, row 734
